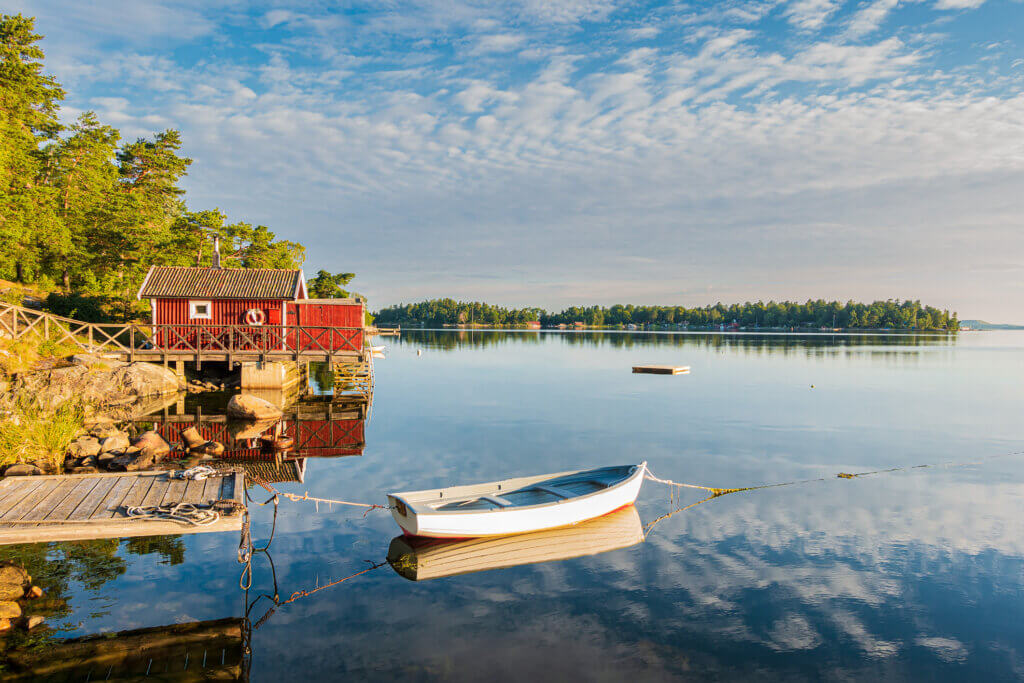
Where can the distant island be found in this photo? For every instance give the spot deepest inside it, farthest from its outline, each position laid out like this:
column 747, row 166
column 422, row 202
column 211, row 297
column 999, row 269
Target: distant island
column 782, row 315
column 982, row 325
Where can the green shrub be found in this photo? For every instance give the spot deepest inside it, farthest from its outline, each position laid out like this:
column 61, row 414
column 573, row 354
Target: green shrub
column 32, row 433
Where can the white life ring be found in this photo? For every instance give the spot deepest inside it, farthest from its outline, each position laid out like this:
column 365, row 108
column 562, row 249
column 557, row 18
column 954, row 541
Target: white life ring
column 255, row 316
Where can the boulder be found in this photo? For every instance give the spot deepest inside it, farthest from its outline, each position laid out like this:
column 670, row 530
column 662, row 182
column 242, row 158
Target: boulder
column 151, row 443
column 5, row 625
column 11, row 573
column 213, row 448
column 114, row 442
column 140, row 461
column 21, row 469
column 34, row 592
column 192, row 438
column 249, row 407
column 33, row 621
column 9, row 610
column 83, row 469
column 102, row 383
column 11, row 591
column 101, row 430
column 83, row 446
column 104, row 459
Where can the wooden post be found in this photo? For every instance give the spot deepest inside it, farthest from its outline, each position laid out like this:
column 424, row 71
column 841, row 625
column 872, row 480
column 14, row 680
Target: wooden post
column 131, row 342
column 90, row 337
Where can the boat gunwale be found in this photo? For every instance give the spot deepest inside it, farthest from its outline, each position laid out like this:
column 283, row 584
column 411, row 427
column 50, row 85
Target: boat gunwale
column 638, row 470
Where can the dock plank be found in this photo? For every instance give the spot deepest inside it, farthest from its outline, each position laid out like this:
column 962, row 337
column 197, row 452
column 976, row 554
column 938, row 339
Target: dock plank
column 92, row 501
column 23, row 504
column 54, row 498
column 78, row 507
column 112, row 501
column 71, row 501
column 136, row 494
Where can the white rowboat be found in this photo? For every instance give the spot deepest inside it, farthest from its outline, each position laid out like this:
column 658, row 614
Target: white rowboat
column 517, row 506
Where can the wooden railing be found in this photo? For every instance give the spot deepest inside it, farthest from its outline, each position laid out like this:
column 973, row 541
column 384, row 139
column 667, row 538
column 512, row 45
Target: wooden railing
column 136, row 340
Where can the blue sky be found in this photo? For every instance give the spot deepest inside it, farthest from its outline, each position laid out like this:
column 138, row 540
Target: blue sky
column 590, row 151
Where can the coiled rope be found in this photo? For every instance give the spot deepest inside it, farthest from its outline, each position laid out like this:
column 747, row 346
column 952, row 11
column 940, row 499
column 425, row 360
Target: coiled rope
column 186, row 513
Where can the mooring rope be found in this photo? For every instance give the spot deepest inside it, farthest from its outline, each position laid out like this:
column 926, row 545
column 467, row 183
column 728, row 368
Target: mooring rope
column 315, row 500
column 841, row 475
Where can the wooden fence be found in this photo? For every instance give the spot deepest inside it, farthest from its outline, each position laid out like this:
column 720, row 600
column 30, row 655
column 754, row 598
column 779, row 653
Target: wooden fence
column 185, row 342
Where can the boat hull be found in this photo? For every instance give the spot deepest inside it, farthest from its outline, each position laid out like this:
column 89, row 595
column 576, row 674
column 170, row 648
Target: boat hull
column 518, row 520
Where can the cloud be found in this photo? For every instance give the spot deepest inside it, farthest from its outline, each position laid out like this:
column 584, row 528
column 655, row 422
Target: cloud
column 811, row 15
column 496, row 42
column 541, row 133
column 959, row 4
column 870, row 17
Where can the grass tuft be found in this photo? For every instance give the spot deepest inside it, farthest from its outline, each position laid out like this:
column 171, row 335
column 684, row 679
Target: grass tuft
column 31, row 433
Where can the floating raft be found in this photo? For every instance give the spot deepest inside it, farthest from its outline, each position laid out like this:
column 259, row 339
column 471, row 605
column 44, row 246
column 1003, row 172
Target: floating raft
column 74, row 507
column 661, row 369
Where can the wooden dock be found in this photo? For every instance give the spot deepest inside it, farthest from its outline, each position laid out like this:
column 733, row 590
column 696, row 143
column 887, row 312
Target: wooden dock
column 661, row 369
column 75, row 507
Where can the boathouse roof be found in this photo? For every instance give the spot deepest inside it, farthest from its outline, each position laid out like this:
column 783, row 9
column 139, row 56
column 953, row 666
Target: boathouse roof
column 222, row 283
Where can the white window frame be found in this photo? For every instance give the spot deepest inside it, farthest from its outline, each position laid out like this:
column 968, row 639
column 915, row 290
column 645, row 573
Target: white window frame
column 193, row 315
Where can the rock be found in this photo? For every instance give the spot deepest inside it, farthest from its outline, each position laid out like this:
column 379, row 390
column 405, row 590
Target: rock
column 9, row 610
column 151, row 443
column 104, row 459
column 84, row 446
column 249, row 407
column 34, row 621
column 21, row 469
column 34, row 592
column 11, row 573
column 5, row 625
column 11, row 591
column 192, row 438
column 45, row 467
column 103, row 383
column 83, row 469
column 214, row 448
column 103, row 429
column 114, row 442
column 140, row 461
column 248, row 430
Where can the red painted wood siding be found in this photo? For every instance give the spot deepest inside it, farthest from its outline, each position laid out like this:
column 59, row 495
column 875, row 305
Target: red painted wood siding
column 318, row 315
column 232, row 312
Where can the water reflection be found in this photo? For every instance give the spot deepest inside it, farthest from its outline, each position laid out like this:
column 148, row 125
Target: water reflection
column 207, row 650
column 418, row 559
column 760, row 343
column 911, row 575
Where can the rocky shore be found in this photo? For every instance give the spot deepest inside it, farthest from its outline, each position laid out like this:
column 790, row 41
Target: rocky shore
column 108, row 385
column 16, row 590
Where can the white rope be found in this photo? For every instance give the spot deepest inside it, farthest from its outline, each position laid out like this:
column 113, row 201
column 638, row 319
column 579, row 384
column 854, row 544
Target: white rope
column 185, row 513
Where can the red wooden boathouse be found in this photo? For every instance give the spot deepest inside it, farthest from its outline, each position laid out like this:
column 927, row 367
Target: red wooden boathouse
column 249, row 308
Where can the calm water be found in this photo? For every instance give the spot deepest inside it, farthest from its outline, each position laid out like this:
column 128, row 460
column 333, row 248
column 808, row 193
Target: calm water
column 908, row 575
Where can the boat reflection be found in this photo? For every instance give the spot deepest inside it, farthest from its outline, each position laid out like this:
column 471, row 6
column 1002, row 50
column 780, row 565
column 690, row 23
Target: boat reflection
column 418, row 559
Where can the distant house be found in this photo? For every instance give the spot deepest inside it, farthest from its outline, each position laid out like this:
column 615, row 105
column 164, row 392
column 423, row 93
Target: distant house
column 578, row 324
column 533, row 324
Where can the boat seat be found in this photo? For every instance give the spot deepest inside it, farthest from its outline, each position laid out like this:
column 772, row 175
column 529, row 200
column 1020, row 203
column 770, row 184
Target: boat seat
column 556, row 491
column 498, row 500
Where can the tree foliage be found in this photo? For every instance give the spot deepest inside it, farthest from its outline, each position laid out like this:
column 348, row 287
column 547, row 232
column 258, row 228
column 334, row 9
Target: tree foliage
column 894, row 314
column 329, row 286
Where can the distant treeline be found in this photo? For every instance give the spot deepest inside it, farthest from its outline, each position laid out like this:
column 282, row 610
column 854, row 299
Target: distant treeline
column 895, row 314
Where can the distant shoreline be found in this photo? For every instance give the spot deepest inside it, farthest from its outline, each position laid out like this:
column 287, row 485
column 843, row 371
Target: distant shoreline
column 411, row 327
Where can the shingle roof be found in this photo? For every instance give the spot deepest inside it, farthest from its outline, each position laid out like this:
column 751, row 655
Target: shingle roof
column 220, row 283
